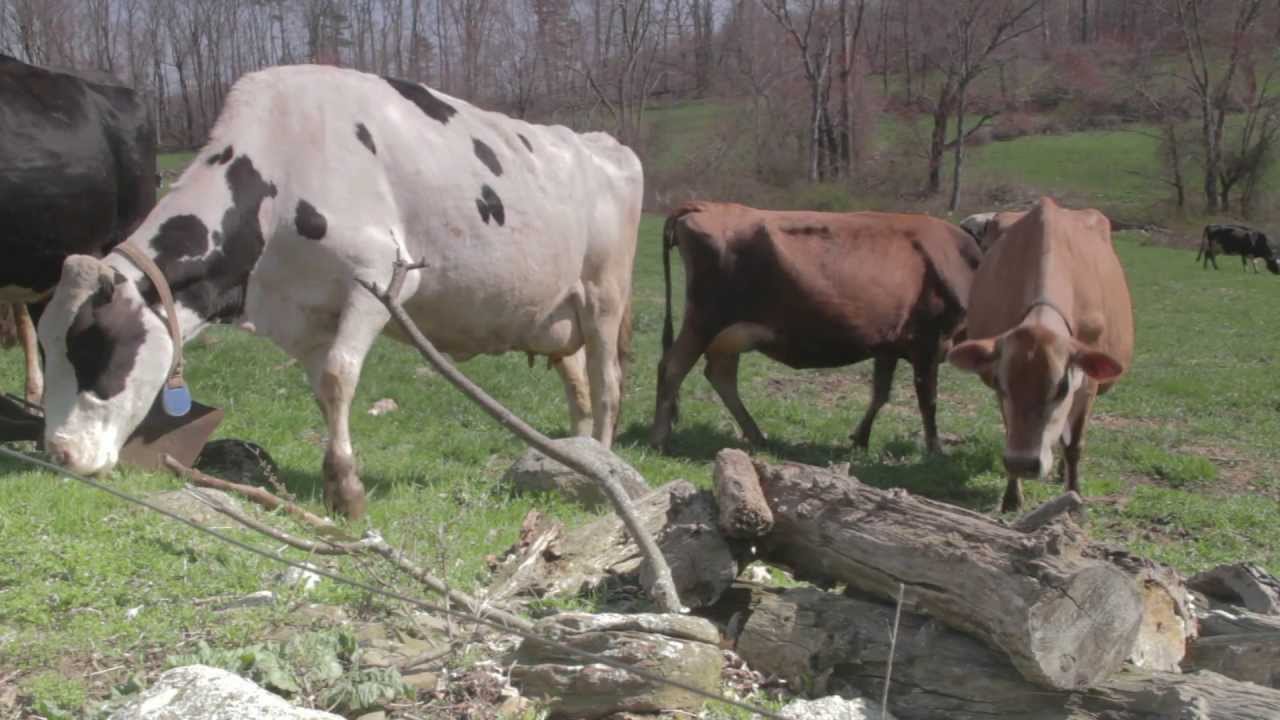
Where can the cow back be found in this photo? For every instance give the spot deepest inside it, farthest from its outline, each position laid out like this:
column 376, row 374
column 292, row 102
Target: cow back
column 1063, row 256
column 77, row 169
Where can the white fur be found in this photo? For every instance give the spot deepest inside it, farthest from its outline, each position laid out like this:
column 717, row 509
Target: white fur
column 553, row 280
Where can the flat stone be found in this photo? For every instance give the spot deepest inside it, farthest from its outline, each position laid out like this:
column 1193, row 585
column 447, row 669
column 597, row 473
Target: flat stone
column 535, row 472
column 200, row 692
column 834, row 707
column 185, row 504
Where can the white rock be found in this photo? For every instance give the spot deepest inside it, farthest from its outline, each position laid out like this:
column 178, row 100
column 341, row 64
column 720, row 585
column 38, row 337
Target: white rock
column 834, row 707
column 200, row 692
column 384, row 406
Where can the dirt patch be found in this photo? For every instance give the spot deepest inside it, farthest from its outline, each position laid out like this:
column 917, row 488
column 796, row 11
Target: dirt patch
column 1120, row 422
column 830, row 388
column 1238, row 473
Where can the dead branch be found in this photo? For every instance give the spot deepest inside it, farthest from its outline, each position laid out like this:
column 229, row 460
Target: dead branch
column 1048, row 512
column 256, row 494
column 663, row 589
column 372, row 542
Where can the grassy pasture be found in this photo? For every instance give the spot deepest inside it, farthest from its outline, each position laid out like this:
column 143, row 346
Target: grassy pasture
column 1181, row 465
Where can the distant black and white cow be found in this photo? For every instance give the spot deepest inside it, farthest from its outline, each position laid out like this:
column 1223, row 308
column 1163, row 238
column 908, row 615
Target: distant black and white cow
column 1246, row 242
column 317, row 177
column 977, row 225
column 77, row 156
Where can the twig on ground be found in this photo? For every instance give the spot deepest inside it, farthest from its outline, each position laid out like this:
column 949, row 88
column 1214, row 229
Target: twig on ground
column 1068, row 502
column 372, row 542
column 256, row 494
column 893, row 646
column 663, row 589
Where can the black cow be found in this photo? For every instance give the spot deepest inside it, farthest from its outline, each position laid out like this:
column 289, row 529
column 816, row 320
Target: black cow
column 1246, row 242
column 77, row 174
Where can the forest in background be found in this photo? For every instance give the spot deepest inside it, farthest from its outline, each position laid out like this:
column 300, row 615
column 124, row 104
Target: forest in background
column 880, row 100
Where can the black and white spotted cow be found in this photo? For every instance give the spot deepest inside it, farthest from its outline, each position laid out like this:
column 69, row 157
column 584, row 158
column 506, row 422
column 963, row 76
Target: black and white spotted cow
column 77, row 158
column 977, row 226
column 1251, row 245
column 317, row 177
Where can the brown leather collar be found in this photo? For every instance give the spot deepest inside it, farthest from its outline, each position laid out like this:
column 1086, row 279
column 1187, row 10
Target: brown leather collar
column 152, row 271
column 1046, row 302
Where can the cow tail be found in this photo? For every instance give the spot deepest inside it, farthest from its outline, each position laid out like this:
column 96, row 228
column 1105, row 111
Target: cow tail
column 668, row 242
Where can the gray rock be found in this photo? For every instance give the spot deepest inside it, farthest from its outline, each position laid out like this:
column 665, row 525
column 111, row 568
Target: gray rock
column 834, row 707
column 185, row 504
column 199, row 692
column 677, row 647
column 535, row 472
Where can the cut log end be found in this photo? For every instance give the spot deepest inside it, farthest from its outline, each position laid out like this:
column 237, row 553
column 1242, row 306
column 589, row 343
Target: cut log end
column 1083, row 631
column 744, row 513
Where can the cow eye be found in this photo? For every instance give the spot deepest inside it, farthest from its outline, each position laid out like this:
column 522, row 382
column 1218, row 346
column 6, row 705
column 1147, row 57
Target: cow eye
column 1064, row 387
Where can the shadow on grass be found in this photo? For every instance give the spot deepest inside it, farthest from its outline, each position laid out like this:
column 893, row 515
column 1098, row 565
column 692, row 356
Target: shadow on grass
column 946, row 477
column 701, row 441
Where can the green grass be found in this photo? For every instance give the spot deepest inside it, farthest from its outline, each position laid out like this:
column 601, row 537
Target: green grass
column 1181, row 465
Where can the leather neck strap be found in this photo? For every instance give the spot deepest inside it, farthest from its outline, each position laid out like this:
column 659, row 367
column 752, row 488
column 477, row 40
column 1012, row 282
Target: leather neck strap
column 152, row 271
column 1045, row 302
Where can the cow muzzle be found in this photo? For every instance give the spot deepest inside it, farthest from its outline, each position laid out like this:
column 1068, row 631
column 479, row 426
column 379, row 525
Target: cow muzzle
column 79, row 457
column 1023, row 466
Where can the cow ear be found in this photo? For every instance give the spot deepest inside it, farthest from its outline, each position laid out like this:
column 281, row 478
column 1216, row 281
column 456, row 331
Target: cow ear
column 977, row 356
column 1098, row 365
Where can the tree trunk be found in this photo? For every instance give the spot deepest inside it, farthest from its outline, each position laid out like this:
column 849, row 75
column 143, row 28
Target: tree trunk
column 958, row 153
column 938, row 141
column 1252, row 657
column 826, row 642
column 1065, row 621
column 906, row 48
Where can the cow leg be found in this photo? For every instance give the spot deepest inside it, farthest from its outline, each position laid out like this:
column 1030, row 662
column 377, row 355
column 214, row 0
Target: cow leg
column 881, row 385
column 31, row 349
column 1012, row 501
column 676, row 363
column 925, row 370
column 1073, row 444
column 573, row 372
column 601, row 320
column 334, row 371
column 722, row 372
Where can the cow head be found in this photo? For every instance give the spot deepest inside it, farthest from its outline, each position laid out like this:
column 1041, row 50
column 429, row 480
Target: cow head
column 106, row 358
column 1272, row 265
column 1036, row 373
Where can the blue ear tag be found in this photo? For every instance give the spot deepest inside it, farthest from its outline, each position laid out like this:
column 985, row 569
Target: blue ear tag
column 176, row 401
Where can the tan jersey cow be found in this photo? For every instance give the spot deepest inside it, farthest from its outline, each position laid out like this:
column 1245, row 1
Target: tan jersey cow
column 1053, row 327
column 811, row 290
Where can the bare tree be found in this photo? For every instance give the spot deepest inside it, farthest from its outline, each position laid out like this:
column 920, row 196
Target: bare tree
column 813, row 38
column 971, row 35
column 1209, row 80
column 1245, row 161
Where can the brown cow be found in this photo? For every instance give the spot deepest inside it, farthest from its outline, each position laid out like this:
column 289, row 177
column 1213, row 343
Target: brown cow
column 1053, row 327
column 812, row 290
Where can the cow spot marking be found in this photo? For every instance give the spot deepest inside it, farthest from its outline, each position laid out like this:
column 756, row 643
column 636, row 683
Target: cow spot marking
column 487, row 156
column 212, row 284
column 180, row 238
column 427, row 102
column 221, row 158
column 525, row 140
column 309, row 222
column 490, row 206
column 103, row 341
column 362, row 134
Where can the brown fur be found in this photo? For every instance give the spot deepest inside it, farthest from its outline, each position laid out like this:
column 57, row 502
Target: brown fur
column 810, row 290
column 1050, row 295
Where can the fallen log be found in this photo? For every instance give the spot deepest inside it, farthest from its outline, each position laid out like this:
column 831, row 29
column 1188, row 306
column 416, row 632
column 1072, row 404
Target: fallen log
column 1064, row 620
column 1168, row 620
column 1223, row 619
column 1243, row 584
column 744, row 514
column 826, row 643
column 1253, row 657
column 549, row 561
column 1068, row 502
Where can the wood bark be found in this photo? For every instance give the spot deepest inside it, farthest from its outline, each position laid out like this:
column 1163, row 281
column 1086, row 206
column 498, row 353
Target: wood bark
column 551, row 562
column 826, row 643
column 1248, row 657
column 1222, row 619
column 744, row 514
column 1247, row 585
column 1065, row 621
column 1068, row 502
